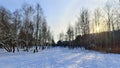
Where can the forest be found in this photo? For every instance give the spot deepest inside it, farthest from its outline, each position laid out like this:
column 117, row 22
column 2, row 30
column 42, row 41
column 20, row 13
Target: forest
column 27, row 28
column 59, row 33
column 24, row 28
column 95, row 30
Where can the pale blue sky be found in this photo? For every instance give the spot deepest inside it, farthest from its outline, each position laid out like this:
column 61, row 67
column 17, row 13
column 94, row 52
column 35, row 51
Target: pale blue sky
column 59, row 13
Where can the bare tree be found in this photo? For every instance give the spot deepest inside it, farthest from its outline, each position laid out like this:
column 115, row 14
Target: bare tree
column 117, row 16
column 16, row 19
column 109, row 15
column 44, row 33
column 97, row 16
column 28, row 26
column 70, row 33
column 84, row 16
column 77, row 28
column 5, row 29
column 109, row 22
column 61, row 36
column 38, row 24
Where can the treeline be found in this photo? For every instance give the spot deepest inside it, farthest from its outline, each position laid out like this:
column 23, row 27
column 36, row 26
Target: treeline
column 98, row 29
column 24, row 28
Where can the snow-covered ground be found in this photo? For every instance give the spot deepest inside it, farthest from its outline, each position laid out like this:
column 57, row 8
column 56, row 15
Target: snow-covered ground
column 59, row 58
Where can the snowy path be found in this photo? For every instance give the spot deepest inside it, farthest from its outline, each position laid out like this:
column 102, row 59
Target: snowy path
column 61, row 58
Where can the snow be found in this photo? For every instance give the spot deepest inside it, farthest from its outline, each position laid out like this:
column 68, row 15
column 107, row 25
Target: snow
column 59, row 57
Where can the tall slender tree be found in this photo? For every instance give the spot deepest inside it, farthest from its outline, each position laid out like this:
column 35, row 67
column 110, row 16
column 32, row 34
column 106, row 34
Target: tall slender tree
column 27, row 22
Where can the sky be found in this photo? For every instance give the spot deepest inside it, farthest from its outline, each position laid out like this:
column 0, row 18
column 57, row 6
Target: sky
column 59, row 13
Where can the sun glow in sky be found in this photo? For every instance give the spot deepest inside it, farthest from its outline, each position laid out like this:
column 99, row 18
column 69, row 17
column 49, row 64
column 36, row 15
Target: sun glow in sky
column 98, row 29
column 59, row 13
